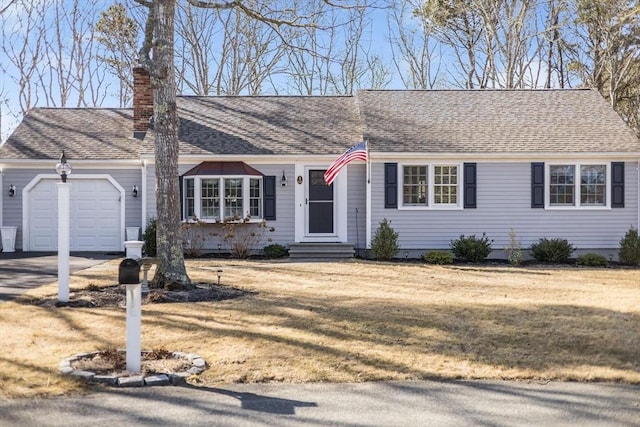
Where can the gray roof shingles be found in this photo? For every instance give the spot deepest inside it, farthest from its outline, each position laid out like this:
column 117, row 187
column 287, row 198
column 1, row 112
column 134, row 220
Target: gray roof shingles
column 83, row 133
column 438, row 121
column 493, row 121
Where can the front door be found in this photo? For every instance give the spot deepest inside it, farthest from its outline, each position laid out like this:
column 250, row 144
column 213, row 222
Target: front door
column 320, row 205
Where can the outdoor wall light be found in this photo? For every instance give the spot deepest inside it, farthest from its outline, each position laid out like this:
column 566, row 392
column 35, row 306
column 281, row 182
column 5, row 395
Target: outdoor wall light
column 283, row 180
column 63, row 168
column 134, row 191
column 12, row 190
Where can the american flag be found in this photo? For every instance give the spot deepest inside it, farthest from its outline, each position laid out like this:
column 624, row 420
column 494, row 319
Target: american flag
column 357, row 152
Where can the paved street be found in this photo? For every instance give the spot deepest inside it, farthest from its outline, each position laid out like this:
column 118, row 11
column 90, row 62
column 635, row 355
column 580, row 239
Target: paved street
column 422, row 403
column 21, row 271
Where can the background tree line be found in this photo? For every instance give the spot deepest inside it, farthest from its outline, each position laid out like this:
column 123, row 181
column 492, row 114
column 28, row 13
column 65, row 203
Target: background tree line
column 77, row 53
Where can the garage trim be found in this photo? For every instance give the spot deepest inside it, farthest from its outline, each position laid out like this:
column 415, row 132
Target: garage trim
column 26, row 208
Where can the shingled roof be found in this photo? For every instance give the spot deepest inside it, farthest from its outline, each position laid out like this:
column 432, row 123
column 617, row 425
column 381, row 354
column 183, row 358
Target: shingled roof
column 83, row 133
column 493, row 121
column 393, row 121
column 276, row 125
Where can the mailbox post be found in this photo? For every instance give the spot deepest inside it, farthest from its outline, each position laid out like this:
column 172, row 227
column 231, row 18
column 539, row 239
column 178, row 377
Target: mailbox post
column 129, row 275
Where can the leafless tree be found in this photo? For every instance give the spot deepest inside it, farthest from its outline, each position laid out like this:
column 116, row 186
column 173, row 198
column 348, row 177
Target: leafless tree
column 117, row 34
column 414, row 51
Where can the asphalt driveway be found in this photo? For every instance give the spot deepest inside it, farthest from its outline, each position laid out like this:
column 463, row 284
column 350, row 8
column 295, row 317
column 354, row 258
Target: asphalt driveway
column 419, row 403
column 21, row 271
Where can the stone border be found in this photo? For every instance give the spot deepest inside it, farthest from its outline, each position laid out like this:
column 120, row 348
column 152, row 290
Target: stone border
column 198, row 365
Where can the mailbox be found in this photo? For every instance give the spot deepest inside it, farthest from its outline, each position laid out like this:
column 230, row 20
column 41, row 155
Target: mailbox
column 129, row 272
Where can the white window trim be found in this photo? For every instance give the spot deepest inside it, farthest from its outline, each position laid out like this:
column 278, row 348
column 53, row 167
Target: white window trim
column 576, row 184
column 197, row 181
column 431, row 205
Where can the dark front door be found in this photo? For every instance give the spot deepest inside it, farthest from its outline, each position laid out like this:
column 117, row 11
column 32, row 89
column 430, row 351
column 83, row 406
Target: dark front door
column 319, row 204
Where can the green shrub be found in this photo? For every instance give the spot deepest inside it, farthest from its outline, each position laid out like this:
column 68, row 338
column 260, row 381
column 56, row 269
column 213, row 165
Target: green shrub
column 629, row 252
column 438, row 257
column 149, row 238
column 555, row 251
column 472, row 248
column 592, row 260
column 275, row 251
column 384, row 244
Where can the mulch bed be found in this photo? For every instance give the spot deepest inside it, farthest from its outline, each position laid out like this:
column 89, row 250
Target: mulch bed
column 115, row 296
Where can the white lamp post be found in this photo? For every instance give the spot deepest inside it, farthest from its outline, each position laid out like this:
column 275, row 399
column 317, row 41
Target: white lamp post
column 63, row 168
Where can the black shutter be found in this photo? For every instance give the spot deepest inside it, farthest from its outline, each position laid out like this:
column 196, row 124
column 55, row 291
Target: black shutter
column 181, row 182
column 390, row 185
column 470, row 184
column 617, row 184
column 537, row 185
column 269, row 184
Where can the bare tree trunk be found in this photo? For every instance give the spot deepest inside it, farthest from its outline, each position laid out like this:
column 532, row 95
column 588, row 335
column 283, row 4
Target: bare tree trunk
column 171, row 272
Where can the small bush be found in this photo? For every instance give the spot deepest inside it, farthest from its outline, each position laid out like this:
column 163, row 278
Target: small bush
column 438, row 257
column 149, row 238
column 555, row 251
column 592, row 260
column 472, row 248
column 275, row 251
column 513, row 249
column 384, row 244
column 629, row 252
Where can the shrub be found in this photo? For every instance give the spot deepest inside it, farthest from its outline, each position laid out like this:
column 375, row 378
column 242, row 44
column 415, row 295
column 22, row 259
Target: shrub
column 513, row 249
column 194, row 237
column 275, row 251
column 149, row 237
column 244, row 235
column 629, row 252
column 438, row 257
column 472, row 248
column 555, row 251
column 592, row 260
column 384, row 244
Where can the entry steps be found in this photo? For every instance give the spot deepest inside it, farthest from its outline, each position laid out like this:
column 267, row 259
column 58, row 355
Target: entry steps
column 321, row 250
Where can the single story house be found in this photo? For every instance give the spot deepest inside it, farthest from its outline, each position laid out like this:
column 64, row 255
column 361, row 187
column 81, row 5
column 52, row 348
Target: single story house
column 545, row 163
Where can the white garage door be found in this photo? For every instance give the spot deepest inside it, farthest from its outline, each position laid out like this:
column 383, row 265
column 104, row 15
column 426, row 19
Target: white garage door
column 95, row 216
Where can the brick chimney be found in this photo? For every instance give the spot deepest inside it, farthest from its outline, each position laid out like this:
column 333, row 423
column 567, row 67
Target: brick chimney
column 142, row 102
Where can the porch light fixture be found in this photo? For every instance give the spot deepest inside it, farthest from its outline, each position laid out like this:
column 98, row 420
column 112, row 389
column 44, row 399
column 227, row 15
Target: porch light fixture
column 12, row 190
column 63, row 168
column 134, row 191
column 283, row 180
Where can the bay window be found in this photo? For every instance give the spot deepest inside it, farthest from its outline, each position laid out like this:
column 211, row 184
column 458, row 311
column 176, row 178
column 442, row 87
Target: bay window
column 220, row 198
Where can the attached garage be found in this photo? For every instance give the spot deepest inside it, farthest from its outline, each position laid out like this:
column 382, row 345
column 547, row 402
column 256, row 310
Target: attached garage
column 96, row 214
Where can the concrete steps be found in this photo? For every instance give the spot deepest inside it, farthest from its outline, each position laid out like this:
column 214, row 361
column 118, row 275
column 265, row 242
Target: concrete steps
column 321, row 250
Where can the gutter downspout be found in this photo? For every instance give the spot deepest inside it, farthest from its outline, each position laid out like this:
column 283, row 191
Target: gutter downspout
column 367, row 242
column 143, row 172
column 1, row 197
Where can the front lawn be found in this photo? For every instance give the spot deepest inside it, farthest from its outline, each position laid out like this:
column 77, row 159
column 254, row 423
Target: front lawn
column 351, row 321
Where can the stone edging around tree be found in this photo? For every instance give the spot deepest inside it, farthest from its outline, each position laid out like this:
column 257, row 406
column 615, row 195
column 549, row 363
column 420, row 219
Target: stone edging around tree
column 198, row 365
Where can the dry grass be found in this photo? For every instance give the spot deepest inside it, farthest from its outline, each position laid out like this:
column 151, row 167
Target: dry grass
column 352, row 321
